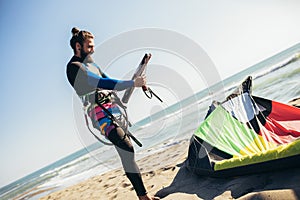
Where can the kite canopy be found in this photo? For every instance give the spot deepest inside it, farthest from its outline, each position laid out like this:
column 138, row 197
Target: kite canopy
column 245, row 134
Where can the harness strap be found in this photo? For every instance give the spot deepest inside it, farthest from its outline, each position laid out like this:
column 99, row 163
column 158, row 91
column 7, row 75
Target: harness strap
column 112, row 117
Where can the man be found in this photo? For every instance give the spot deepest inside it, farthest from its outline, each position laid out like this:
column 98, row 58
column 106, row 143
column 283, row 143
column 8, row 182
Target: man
column 87, row 78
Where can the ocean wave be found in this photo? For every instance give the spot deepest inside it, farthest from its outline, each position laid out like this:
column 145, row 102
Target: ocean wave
column 277, row 66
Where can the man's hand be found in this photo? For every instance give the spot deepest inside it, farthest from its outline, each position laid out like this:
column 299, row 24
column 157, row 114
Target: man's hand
column 140, row 81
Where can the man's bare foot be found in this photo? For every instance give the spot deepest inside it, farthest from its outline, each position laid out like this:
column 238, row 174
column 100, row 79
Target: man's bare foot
column 146, row 197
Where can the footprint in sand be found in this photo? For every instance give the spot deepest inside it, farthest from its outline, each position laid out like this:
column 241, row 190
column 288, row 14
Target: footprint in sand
column 125, row 185
column 106, row 186
column 168, row 168
column 151, row 173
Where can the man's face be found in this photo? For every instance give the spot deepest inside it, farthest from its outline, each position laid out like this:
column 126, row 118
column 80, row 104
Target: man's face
column 88, row 47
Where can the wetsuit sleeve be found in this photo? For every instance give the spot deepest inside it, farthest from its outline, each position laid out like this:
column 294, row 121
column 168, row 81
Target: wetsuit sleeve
column 108, row 83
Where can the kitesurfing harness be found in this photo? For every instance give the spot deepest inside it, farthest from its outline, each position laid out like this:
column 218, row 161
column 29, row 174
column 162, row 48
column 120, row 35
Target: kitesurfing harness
column 100, row 99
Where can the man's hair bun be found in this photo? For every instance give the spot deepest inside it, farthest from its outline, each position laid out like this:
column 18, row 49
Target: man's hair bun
column 75, row 31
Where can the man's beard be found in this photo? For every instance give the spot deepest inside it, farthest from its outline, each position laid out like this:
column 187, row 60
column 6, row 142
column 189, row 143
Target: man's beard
column 86, row 57
column 83, row 54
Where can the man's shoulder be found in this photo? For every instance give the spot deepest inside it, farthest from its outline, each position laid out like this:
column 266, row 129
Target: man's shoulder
column 74, row 65
column 74, row 61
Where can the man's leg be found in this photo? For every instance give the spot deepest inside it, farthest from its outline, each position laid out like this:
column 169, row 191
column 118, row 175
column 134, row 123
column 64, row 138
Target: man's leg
column 125, row 150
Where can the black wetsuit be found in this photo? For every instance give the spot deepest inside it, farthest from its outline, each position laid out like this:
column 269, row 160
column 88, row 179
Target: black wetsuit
column 84, row 83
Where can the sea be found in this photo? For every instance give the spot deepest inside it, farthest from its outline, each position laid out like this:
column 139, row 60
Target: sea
column 276, row 78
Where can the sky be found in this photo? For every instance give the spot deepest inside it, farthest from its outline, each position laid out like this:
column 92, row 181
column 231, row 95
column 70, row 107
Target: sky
column 37, row 119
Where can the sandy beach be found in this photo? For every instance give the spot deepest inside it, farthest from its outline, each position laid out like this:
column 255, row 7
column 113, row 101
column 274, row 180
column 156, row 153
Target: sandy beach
column 175, row 182
column 166, row 176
